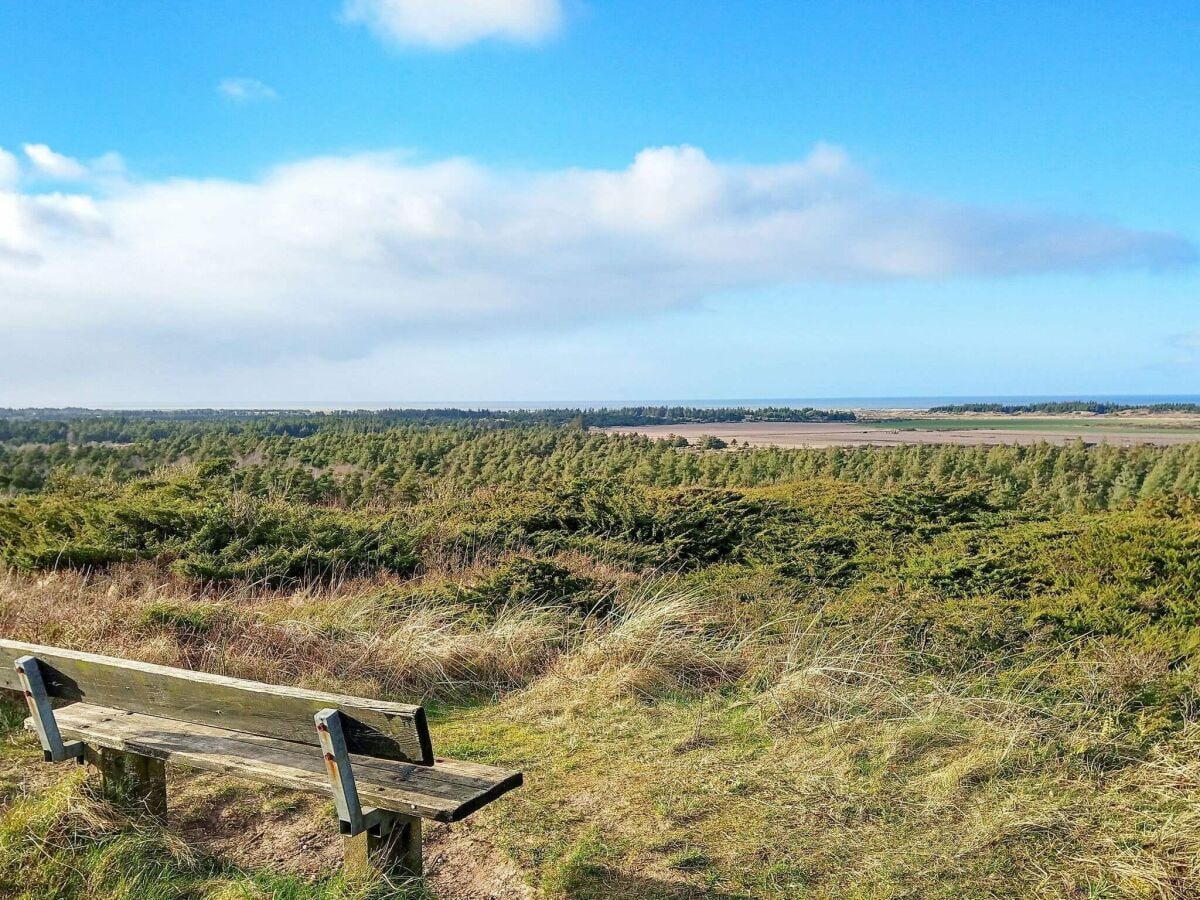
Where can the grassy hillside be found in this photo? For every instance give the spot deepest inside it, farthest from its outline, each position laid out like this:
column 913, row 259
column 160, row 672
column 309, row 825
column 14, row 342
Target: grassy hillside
column 925, row 674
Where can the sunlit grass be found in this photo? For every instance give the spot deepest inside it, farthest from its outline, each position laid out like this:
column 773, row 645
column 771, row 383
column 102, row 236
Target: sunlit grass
column 686, row 743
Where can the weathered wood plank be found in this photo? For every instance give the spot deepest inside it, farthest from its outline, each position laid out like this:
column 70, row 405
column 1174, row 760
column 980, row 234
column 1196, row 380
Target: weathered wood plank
column 447, row 791
column 373, row 727
column 450, row 778
column 285, row 764
column 453, row 780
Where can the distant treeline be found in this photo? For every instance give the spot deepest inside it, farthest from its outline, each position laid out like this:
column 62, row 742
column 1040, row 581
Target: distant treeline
column 1066, row 406
column 82, row 426
column 65, row 413
column 682, row 415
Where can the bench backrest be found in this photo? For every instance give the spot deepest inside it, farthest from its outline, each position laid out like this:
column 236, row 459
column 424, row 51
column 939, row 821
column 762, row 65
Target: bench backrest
column 372, row 727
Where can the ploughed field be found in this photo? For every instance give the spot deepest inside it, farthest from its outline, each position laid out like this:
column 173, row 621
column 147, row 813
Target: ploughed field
column 897, row 672
column 959, row 431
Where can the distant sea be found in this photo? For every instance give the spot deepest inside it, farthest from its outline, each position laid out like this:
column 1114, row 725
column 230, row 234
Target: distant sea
column 707, row 403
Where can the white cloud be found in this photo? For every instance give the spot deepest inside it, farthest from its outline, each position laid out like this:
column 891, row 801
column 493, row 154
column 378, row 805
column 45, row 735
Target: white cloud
column 334, row 257
column 45, row 163
column 10, row 168
column 27, row 222
column 54, row 165
column 246, row 90
column 446, row 24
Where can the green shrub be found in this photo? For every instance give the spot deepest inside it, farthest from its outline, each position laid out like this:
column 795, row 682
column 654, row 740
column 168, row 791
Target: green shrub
column 525, row 580
column 204, row 531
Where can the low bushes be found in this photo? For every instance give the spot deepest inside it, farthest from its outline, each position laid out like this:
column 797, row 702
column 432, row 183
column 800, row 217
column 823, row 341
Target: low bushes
column 202, row 530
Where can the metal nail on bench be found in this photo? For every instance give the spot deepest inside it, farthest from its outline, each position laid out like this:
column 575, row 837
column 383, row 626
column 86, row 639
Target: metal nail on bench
column 129, row 719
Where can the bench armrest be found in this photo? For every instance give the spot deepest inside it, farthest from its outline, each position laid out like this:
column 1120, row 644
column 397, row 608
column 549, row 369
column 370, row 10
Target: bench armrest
column 353, row 819
column 33, row 686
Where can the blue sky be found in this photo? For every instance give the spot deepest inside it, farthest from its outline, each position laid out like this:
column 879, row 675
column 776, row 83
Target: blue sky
column 391, row 200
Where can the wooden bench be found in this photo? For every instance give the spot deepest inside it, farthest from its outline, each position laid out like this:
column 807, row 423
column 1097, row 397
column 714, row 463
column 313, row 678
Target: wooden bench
column 374, row 758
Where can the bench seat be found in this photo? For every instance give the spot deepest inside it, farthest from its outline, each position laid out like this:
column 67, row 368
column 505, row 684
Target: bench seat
column 447, row 791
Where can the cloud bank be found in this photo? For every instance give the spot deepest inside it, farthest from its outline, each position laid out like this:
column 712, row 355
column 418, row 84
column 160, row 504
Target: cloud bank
column 454, row 23
column 334, row 257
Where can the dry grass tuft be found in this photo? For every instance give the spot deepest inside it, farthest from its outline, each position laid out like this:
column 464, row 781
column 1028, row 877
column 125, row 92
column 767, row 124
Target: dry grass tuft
column 415, row 647
column 822, row 675
column 657, row 642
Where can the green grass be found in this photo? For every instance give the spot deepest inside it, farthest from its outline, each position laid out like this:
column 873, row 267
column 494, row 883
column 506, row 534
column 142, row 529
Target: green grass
column 65, row 842
column 623, row 800
column 668, row 756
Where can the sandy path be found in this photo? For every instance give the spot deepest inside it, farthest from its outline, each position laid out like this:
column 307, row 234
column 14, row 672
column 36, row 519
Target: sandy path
column 848, row 434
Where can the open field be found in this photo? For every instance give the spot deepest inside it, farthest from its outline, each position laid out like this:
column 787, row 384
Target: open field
column 890, row 433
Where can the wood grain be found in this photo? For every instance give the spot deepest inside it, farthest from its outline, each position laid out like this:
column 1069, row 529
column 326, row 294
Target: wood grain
column 396, row 731
column 447, row 791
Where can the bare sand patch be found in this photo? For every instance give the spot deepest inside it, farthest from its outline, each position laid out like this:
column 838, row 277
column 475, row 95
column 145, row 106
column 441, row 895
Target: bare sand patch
column 853, row 434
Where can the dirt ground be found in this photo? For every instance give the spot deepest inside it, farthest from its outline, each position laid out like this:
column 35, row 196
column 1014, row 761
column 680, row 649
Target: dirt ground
column 850, row 434
column 262, row 826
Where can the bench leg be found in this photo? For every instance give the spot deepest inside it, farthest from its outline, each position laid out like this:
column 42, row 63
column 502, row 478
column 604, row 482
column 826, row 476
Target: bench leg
column 368, row 855
column 132, row 781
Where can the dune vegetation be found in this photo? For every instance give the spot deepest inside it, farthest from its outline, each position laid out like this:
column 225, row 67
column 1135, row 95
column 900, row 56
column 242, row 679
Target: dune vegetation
column 923, row 672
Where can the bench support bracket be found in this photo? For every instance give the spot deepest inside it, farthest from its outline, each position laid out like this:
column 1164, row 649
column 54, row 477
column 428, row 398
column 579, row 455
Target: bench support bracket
column 394, row 852
column 29, row 671
column 133, row 781
column 376, row 839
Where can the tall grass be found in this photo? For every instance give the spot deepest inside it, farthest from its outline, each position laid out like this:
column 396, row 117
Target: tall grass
column 677, row 740
column 376, row 636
